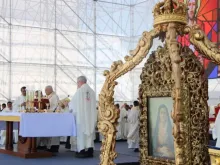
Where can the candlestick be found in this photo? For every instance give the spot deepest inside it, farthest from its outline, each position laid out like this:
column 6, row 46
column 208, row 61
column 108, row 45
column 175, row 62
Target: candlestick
column 28, row 95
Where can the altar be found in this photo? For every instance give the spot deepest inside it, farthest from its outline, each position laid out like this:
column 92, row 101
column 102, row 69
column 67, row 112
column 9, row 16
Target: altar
column 31, row 126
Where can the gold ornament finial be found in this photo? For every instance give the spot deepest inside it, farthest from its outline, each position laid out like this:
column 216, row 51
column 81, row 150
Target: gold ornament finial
column 170, row 11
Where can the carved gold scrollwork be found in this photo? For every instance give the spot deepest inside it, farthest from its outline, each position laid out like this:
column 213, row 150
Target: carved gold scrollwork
column 169, row 71
column 199, row 39
column 177, row 114
column 192, row 145
column 107, row 113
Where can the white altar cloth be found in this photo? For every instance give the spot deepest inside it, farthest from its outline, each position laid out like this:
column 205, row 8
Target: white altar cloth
column 45, row 124
column 10, row 114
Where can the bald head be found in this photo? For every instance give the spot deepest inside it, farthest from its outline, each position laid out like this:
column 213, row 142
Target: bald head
column 48, row 89
column 81, row 80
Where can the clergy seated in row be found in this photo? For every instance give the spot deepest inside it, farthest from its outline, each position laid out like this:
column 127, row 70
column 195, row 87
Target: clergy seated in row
column 9, row 107
column 19, row 103
column 3, row 107
column 52, row 144
column 133, row 126
column 83, row 107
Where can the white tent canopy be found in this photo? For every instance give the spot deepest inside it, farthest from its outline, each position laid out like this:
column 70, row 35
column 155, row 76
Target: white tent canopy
column 51, row 42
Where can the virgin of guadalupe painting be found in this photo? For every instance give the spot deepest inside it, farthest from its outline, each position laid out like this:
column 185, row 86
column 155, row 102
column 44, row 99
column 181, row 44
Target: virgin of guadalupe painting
column 163, row 143
column 161, row 139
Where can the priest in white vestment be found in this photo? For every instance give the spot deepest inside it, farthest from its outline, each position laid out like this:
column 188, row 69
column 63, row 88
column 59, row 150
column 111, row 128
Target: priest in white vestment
column 52, row 143
column 122, row 123
column 128, row 109
column 20, row 102
column 83, row 106
column 118, row 128
column 133, row 121
column 53, row 98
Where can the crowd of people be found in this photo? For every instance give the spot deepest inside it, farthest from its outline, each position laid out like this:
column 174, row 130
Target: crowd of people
column 83, row 107
column 128, row 124
column 6, row 107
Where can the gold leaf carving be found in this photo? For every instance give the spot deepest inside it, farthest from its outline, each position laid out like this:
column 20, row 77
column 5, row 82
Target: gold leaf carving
column 193, row 117
column 207, row 48
column 107, row 113
column 173, row 71
column 170, row 11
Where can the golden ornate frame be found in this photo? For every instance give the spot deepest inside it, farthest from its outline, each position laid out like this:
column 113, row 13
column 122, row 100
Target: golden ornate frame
column 157, row 81
column 190, row 142
column 107, row 113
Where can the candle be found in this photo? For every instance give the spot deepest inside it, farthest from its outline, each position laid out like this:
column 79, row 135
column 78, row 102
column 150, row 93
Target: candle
column 39, row 95
column 32, row 95
column 27, row 96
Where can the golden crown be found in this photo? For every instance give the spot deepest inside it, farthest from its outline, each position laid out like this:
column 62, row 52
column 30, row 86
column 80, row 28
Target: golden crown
column 170, row 11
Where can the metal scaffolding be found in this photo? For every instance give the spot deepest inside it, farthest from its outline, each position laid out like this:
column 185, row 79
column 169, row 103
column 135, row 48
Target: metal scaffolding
column 51, row 42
